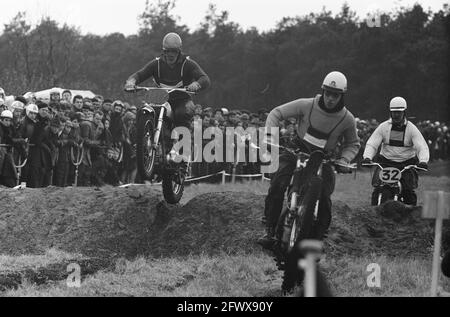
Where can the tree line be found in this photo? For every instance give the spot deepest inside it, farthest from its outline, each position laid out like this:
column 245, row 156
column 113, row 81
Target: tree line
column 407, row 54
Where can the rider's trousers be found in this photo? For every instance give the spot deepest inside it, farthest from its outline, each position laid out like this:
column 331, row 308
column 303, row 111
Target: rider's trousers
column 279, row 184
column 183, row 111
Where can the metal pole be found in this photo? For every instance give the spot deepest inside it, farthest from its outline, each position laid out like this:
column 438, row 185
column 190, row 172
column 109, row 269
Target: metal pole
column 437, row 244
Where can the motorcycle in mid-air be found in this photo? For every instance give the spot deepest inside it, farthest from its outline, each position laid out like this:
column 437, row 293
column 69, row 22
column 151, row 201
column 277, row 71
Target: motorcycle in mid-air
column 155, row 162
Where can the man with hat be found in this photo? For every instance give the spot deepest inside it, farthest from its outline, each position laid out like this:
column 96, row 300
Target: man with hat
column 39, row 163
column 401, row 144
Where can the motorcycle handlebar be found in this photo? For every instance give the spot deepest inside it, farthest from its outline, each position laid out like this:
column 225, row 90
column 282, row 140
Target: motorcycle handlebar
column 168, row 89
column 404, row 169
column 297, row 152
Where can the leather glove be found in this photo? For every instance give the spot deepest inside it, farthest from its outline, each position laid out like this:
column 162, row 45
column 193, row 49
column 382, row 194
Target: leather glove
column 194, row 87
column 130, row 84
column 366, row 160
column 423, row 165
column 340, row 166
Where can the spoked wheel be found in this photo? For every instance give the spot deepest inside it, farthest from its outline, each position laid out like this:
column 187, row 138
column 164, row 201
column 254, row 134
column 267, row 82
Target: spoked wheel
column 172, row 188
column 172, row 182
column 145, row 149
column 302, row 228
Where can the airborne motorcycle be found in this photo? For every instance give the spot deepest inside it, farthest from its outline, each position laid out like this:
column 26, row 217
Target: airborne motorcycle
column 390, row 187
column 154, row 124
column 298, row 220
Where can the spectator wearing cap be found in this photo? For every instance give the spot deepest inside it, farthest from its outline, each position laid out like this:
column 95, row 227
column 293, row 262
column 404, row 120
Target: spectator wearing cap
column 63, row 163
column 208, row 112
column 38, row 167
column 55, row 100
column 133, row 109
column 96, row 104
column 129, row 149
column 8, row 176
column 107, row 108
column 88, row 111
column 88, row 136
column 116, row 128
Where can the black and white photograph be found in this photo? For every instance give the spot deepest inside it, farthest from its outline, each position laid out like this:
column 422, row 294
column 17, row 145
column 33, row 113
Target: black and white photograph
column 224, row 155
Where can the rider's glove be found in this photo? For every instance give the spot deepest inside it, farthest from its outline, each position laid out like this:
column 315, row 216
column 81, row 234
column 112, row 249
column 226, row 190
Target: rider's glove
column 423, row 165
column 341, row 166
column 366, row 160
column 130, row 84
column 194, row 87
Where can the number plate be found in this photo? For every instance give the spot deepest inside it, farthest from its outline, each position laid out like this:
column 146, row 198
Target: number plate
column 390, row 175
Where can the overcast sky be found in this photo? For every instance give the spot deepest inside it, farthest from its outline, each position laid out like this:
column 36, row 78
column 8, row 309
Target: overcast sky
column 109, row 16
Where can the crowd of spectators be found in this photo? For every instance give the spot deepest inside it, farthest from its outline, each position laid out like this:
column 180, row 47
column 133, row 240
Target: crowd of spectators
column 52, row 133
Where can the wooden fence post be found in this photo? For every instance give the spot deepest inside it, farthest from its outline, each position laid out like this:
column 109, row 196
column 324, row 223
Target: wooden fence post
column 436, row 206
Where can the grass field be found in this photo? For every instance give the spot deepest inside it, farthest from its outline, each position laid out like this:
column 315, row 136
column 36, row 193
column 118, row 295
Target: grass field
column 239, row 275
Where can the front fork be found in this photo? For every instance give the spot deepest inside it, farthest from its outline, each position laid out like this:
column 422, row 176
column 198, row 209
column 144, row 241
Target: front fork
column 159, row 126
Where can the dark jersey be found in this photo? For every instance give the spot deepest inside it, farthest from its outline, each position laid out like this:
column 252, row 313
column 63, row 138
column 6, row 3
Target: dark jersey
column 183, row 73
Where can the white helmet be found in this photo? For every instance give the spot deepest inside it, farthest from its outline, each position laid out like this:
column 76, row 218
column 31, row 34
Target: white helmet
column 224, row 111
column 17, row 105
column 335, row 81
column 172, row 41
column 31, row 108
column 398, row 104
column 6, row 114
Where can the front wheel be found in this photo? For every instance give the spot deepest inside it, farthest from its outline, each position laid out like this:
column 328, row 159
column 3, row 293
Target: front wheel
column 386, row 194
column 304, row 224
column 145, row 147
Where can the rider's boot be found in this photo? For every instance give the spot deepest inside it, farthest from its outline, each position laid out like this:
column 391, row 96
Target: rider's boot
column 268, row 240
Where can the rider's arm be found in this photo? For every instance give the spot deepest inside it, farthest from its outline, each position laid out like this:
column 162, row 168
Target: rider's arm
column 146, row 72
column 419, row 143
column 351, row 142
column 198, row 74
column 374, row 142
column 293, row 109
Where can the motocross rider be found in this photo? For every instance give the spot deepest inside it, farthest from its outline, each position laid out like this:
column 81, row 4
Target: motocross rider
column 402, row 144
column 323, row 121
column 173, row 69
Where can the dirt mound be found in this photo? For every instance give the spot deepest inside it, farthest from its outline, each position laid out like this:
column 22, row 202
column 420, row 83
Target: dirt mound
column 117, row 222
column 391, row 229
column 95, row 222
column 231, row 222
column 211, row 223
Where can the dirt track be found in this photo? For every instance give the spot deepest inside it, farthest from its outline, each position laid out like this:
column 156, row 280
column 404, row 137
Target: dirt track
column 116, row 222
column 106, row 224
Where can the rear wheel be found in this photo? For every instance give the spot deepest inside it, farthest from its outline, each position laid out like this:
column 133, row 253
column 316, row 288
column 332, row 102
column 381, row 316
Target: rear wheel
column 172, row 188
column 172, row 178
column 145, row 149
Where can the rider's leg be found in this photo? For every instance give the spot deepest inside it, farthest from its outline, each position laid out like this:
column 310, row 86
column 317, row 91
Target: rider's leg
column 183, row 111
column 275, row 196
column 324, row 214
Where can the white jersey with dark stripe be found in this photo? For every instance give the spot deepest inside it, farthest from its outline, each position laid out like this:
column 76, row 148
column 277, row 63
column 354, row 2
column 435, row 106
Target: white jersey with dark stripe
column 413, row 145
